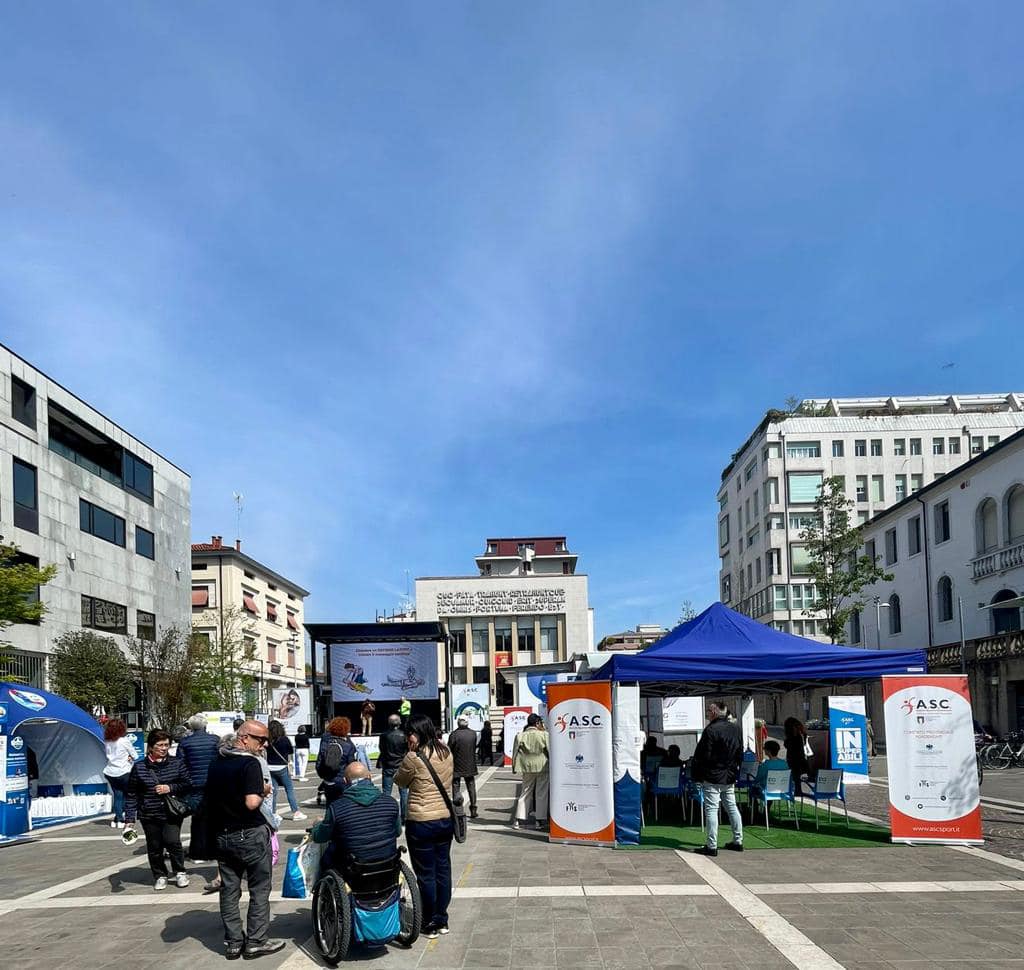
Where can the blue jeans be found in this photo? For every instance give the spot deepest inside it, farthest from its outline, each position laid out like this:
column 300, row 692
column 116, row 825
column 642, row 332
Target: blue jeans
column 430, row 852
column 727, row 795
column 387, row 781
column 119, row 788
column 281, row 779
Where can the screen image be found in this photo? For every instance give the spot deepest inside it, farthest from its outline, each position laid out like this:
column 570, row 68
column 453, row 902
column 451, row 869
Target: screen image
column 383, row 671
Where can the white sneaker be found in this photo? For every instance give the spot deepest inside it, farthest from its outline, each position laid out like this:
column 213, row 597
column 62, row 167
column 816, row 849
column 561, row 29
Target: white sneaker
column 299, row 816
column 113, row 825
column 181, row 880
column 120, row 825
column 161, row 883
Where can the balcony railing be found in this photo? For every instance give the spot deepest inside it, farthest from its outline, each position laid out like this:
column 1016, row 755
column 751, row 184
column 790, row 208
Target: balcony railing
column 999, row 560
column 1004, row 645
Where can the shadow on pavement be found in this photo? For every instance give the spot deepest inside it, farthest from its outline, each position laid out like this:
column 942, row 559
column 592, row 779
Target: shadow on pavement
column 205, row 927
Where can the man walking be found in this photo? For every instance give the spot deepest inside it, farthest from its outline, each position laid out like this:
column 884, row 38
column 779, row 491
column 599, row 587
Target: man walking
column 462, row 742
column 198, row 750
column 393, row 747
column 716, row 764
column 235, row 790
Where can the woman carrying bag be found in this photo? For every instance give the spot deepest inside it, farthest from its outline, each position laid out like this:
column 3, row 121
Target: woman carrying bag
column 155, row 788
column 530, row 759
column 427, row 772
column 798, row 751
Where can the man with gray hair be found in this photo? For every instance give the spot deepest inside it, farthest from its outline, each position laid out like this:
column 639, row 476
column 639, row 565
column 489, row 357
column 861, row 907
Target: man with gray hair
column 393, row 747
column 716, row 764
column 198, row 750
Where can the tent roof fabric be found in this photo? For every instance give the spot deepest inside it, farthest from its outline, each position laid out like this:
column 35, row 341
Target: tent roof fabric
column 31, row 703
column 722, row 650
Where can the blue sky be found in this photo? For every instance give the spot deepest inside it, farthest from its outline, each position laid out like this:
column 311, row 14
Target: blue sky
column 408, row 276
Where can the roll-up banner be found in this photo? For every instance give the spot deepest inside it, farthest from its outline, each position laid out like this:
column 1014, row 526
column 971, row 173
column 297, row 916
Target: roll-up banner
column 471, row 701
column 848, row 738
column 933, row 774
column 513, row 722
column 627, row 739
column 582, row 799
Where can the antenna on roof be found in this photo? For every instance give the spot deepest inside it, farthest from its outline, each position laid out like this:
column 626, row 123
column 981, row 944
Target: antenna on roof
column 239, row 505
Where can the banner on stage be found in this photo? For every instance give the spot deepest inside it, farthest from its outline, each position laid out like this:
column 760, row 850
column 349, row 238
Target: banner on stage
column 513, row 722
column 290, row 706
column 848, row 738
column 932, row 767
column 582, row 799
column 473, row 702
column 384, row 671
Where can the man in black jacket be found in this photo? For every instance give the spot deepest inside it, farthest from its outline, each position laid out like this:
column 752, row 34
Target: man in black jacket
column 393, row 747
column 462, row 742
column 716, row 764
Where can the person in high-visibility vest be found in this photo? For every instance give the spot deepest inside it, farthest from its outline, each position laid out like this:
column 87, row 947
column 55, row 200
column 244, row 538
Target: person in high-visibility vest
column 405, row 709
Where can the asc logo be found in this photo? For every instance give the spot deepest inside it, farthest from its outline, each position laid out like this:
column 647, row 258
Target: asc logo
column 914, row 705
column 573, row 722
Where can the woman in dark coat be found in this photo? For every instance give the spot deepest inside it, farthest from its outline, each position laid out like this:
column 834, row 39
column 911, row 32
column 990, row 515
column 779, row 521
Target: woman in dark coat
column 485, row 746
column 796, row 757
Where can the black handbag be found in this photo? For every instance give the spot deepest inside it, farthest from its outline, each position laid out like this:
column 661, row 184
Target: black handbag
column 177, row 809
column 457, row 810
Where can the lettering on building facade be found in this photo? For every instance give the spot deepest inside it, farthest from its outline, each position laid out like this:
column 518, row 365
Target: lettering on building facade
column 500, row 601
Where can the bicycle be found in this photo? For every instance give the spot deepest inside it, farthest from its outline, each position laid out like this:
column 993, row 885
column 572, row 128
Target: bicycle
column 1008, row 752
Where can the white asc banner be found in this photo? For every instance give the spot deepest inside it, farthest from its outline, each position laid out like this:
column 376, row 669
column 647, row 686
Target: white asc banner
column 582, row 798
column 384, row 671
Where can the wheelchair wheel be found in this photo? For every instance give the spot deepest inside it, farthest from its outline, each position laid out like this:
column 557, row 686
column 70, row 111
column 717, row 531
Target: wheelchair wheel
column 410, row 908
column 332, row 918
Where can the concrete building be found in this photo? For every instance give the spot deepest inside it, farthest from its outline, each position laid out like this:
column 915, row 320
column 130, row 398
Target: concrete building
column 527, row 604
column 642, row 636
column 79, row 491
column 959, row 542
column 884, row 450
column 235, row 596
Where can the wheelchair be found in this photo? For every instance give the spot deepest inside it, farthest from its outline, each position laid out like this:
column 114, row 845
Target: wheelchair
column 365, row 902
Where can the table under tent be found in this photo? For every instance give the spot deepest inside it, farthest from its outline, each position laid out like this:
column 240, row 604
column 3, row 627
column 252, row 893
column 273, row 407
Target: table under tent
column 722, row 653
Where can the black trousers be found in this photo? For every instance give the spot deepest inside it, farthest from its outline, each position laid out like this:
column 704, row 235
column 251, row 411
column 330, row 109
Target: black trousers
column 160, row 835
column 470, row 781
column 245, row 854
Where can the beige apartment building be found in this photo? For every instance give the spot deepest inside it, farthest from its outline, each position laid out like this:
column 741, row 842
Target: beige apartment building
column 234, row 593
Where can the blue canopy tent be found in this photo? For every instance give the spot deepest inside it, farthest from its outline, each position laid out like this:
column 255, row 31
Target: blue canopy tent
column 722, row 651
column 67, row 746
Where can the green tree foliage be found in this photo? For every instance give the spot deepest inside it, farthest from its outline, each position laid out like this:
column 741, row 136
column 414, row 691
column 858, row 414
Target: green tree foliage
column 91, row 671
column 171, row 672
column 838, row 566
column 19, row 598
column 226, row 674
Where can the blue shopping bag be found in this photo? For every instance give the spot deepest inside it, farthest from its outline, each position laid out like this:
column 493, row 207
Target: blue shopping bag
column 300, row 872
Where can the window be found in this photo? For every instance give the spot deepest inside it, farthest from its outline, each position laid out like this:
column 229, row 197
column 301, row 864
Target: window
column 101, row 523
column 249, row 603
column 726, row 588
column 901, row 488
column 102, row 615
column 862, row 516
column 145, row 625
column 32, row 597
column 914, row 536
column 752, row 536
column 755, row 502
column 773, row 522
column 757, row 570
column 803, row 520
column 138, row 476
column 774, row 450
column 565, row 569
column 291, row 653
column 271, row 652
column 803, row 449
column 890, row 547
column 524, row 633
column 781, row 597
column 723, row 531
column 23, row 402
column 876, row 447
column 492, row 547
column 526, row 568
column 862, row 488
column 743, row 584
column 938, row 446
column 503, row 635
column 26, row 497
column 804, row 487
column 942, row 522
column 877, row 489
column 870, row 551
column 915, row 446
column 145, row 542
column 899, row 446
column 748, row 472
column 977, row 444
column 746, row 509
column 860, row 447
column 799, row 560
column 916, row 483
column 945, row 599
column 774, row 562
column 986, row 527
column 841, row 482
column 1015, row 513
column 993, row 440
column 771, row 488
column 837, row 449
column 856, row 633
column 954, row 446
column 895, row 618
column 723, row 502
column 804, row 596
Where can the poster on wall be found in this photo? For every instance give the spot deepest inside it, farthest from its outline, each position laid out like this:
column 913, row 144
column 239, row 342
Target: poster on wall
column 582, row 798
column 513, row 722
column 933, row 777
column 848, row 738
column 290, row 706
column 681, row 714
column 473, row 702
column 384, row 671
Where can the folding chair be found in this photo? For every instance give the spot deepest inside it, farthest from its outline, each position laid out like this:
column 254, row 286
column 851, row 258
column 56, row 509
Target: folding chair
column 828, row 787
column 667, row 781
column 778, row 787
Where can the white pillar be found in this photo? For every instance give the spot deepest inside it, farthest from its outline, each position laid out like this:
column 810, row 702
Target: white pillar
column 746, row 719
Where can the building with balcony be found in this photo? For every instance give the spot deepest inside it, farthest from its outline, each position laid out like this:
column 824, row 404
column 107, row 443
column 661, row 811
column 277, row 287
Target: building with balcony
column 643, row 635
column 883, row 449
column 79, row 491
column 235, row 596
column 956, row 549
column 526, row 604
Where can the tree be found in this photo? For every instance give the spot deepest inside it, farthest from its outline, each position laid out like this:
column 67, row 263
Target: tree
column 837, row 565
column 687, row 612
column 91, row 671
column 171, row 672
column 19, row 597
column 226, row 674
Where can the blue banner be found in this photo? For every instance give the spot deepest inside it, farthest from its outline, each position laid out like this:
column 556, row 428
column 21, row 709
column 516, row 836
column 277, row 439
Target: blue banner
column 848, row 738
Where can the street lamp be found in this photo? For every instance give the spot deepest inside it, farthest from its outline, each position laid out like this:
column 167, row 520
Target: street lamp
column 879, row 606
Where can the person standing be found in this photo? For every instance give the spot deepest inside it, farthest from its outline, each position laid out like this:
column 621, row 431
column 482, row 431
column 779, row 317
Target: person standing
column 235, row 790
column 462, row 742
column 429, row 829
column 530, row 759
column 197, row 750
column 337, row 752
column 405, row 710
column 279, row 756
column 120, row 757
column 301, row 753
column 796, row 743
column 716, row 765
column 485, row 746
column 393, row 747
column 152, row 779
column 366, row 713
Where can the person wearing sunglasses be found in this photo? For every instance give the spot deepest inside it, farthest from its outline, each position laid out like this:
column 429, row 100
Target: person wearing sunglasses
column 235, row 790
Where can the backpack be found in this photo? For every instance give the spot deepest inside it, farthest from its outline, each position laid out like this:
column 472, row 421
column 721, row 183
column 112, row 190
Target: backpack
column 334, row 757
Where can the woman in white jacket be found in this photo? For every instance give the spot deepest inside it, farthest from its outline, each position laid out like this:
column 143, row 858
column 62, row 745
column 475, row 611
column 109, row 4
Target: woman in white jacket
column 120, row 758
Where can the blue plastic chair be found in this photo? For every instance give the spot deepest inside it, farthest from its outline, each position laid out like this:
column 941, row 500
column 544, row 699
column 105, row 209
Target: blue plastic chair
column 667, row 781
column 778, row 787
column 828, row 787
